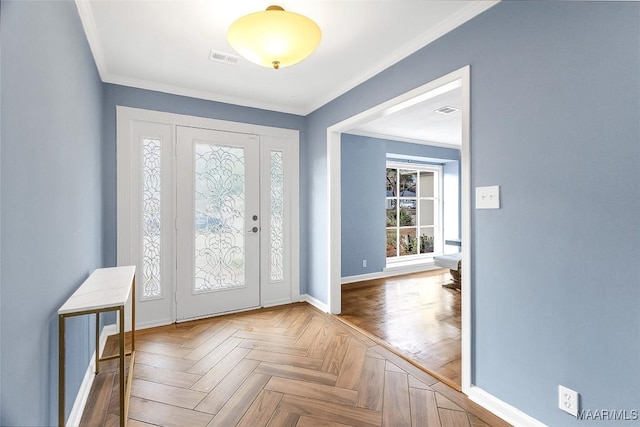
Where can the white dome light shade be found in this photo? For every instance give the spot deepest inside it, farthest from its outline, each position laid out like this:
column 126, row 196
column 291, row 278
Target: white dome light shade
column 274, row 37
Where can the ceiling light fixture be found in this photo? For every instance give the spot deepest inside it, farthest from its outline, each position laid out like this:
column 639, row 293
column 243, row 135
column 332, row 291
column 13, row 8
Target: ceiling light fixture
column 274, row 37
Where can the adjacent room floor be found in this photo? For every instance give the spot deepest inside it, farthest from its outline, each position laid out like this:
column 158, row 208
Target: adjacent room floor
column 414, row 314
column 283, row 366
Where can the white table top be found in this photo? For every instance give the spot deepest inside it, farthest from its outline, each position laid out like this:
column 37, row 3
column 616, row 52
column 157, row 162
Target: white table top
column 105, row 288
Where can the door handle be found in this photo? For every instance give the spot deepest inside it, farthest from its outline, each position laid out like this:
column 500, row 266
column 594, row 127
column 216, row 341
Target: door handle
column 254, row 229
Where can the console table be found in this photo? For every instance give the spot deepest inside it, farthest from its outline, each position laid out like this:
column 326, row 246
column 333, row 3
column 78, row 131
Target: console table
column 106, row 289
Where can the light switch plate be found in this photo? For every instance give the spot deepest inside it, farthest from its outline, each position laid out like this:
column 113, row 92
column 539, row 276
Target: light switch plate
column 488, row 197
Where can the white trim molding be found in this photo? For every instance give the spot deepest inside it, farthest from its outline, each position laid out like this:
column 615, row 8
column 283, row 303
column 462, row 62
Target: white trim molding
column 201, row 94
column 151, row 324
column 85, row 388
column 459, row 78
column 376, row 135
column 474, row 9
column 390, row 272
column 465, row 223
column 126, row 251
column 315, row 302
column 505, row 411
column 89, row 24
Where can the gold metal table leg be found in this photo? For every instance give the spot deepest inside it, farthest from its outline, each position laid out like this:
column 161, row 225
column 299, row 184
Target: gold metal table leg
column 133, row 348
column 61, row 360
column 133, row 315
column 122, row 380
column 97, row 343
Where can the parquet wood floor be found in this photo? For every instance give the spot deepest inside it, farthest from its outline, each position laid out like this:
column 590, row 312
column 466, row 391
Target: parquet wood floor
column 414, row 315
column 285, row 366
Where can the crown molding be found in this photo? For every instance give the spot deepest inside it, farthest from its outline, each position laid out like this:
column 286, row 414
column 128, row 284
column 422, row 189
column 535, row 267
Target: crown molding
column 89, row 25
column 199, row 94
column 472, row 10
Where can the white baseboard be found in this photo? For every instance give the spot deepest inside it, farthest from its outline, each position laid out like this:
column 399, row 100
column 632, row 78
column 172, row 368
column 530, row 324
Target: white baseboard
column 505, row 411
column 315, row 302
column 107, row 331
column 389, row 272
column 83, row 394
column 276, row 303
column 153, row 324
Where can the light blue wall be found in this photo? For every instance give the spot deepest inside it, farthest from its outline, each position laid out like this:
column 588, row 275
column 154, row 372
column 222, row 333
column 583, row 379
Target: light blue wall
column 51, row 199
column 555, row 104
column 362, row 180
column 555, row 107
column 363, row 163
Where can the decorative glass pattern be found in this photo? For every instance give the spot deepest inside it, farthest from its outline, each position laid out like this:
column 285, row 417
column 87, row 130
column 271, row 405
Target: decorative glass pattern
column 277, row 216
column 151, row 217
column 219, row 218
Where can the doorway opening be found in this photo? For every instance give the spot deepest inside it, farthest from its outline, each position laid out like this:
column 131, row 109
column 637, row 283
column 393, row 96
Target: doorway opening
column 461, row 79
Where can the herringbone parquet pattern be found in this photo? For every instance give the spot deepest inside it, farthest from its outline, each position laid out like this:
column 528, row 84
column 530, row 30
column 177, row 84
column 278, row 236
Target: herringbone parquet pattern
column 286, row 366
column 413, row 314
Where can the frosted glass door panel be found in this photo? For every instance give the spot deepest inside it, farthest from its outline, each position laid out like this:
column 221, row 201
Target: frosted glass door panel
column 218, row 227
column 277, row 216
column 219, row 218
column 151, row 218
column 277, row 186
column 145, row 216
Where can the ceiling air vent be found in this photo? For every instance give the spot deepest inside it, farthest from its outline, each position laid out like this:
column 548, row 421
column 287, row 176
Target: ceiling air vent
column 225, row 58
column 446, row 110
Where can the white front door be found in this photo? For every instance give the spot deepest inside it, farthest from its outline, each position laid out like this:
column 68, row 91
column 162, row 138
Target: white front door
column 218, row 223
column 208, row 212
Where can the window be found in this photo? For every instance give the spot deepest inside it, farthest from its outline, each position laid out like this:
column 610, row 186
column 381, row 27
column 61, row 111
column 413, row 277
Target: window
column 414, row 210
column 151, row 218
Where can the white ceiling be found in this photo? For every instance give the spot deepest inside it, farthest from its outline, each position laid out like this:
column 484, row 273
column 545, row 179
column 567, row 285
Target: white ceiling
column 420, row 123
column 165, row 45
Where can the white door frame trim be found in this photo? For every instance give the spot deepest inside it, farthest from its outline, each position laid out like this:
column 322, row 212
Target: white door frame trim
column 334, row 132
column 124, row 115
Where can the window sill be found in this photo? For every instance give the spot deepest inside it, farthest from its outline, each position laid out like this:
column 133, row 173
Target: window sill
column 414, row 264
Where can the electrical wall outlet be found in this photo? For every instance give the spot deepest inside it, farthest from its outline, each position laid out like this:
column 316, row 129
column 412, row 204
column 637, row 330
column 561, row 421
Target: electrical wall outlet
column 364, row 263
column 568, row 400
